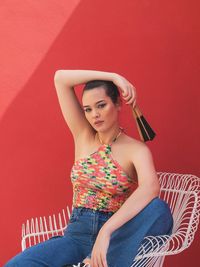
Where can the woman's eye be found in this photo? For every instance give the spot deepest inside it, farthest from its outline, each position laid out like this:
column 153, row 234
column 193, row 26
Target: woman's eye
column 101, row 105
column 87, row 109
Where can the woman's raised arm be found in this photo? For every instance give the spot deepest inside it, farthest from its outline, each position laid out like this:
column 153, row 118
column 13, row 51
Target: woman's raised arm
column 73, row 113
column 76, row 77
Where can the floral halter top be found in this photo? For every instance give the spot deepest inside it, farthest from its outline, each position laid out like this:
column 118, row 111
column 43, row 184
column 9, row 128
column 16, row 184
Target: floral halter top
column 99, row 181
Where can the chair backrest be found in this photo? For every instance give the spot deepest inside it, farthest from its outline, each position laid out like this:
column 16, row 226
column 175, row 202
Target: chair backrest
column 182, row 193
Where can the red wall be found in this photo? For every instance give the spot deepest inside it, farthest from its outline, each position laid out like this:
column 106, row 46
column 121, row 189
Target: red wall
column 154, row 44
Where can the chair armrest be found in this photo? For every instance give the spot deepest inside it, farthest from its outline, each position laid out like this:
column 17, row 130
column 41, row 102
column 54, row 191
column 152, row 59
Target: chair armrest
column 162, row 245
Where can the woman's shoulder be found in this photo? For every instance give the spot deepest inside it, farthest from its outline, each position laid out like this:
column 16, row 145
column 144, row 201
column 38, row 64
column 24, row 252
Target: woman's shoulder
column 135, row 146
column 133, row 142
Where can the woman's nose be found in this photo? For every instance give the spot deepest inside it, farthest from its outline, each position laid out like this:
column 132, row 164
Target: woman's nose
column 95, row 114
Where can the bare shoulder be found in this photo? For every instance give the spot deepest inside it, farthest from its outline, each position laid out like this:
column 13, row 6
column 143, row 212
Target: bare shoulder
column 134, row 143
column 136, row 149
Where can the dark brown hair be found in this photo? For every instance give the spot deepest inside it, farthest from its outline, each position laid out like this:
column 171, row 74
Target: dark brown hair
column 110, row 88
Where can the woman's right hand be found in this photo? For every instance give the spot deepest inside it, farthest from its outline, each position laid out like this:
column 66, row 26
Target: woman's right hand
column 128, row 90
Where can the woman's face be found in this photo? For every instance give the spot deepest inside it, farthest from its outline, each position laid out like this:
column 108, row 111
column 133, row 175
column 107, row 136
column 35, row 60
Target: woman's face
column 99, row 107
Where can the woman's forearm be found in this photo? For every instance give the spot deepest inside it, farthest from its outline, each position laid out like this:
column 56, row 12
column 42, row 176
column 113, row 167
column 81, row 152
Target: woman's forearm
column 130, row 208
column 76, row 77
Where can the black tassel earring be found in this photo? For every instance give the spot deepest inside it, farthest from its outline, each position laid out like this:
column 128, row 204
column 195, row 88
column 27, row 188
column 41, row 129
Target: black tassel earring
column 145, row 131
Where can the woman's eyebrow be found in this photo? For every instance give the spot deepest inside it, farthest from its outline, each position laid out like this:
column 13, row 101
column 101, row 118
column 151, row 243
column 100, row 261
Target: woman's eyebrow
column 95, row 103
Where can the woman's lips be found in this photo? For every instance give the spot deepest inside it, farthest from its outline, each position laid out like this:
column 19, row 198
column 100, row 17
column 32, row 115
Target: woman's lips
column 98, row 123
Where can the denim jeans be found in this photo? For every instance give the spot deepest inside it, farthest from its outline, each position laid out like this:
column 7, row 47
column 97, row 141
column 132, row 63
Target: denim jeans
column 80, row 235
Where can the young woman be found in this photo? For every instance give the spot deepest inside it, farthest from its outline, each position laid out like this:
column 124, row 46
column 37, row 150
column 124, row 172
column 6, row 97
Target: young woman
column 115, row 185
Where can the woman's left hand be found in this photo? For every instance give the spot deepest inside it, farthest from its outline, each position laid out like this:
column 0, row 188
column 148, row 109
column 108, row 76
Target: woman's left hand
column 99, row 251
column 127, row 88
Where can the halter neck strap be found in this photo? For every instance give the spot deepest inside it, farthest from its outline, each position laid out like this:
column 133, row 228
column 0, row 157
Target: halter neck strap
column 115, row 138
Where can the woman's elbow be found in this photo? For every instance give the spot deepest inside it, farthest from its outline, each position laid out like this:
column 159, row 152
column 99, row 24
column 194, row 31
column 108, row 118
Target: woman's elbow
column 57, row 75
column 156, row 190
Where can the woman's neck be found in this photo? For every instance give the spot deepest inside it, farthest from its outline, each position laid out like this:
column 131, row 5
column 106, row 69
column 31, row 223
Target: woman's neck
column 108, row 136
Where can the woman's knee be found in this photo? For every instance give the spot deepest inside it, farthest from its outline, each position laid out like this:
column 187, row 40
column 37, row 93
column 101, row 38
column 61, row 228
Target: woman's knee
column 158, row 206
column 161, row 219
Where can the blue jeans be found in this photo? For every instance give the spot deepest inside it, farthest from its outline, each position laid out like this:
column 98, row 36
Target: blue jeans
column 80, row 235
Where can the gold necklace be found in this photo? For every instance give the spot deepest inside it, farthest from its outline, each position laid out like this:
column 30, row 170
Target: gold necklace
column 121, row 130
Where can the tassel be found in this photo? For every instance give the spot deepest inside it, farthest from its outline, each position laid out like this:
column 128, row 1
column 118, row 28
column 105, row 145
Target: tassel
column 144, row 129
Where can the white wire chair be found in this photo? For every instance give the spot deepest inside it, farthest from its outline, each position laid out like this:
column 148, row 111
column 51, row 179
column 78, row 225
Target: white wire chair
column 180, row 191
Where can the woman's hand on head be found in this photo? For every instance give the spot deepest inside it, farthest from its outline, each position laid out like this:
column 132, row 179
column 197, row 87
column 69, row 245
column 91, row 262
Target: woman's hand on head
column 127, row 88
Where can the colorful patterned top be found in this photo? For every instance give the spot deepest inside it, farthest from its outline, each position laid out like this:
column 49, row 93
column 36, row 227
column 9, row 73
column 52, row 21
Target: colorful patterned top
column 99, row 181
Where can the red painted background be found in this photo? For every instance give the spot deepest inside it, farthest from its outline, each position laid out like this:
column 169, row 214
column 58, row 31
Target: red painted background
column 154, row 44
